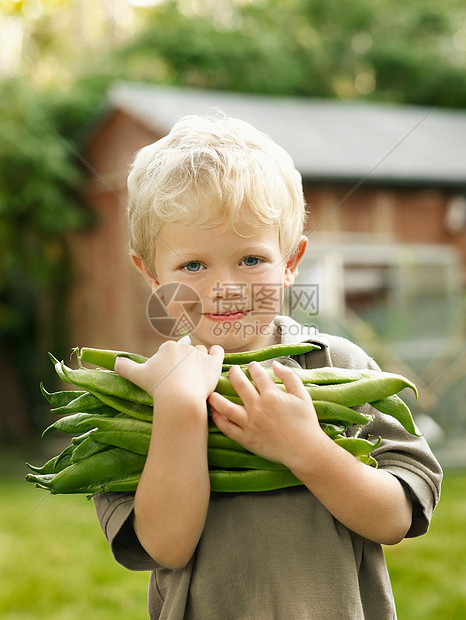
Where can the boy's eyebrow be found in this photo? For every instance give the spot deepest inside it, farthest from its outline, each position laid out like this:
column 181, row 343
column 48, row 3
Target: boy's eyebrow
column 247, row 250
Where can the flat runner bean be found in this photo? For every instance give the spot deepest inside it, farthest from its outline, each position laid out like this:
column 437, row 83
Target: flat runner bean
column 91, row 472
column 224, row 481
column 267, row 353
column 87, row 448
column 128, row 440
column 358, row 446
column 137, row 411
column 398, row 409
column 235, row 459
column 106, row 358
column 103, row 382
column 60, row 399
column 84, row 403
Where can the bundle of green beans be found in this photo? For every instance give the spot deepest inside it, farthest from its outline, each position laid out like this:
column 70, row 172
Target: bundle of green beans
column 111, row 420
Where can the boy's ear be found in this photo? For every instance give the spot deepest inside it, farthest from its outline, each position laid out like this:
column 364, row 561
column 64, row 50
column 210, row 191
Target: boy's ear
column 293, row 260
column 149, row 276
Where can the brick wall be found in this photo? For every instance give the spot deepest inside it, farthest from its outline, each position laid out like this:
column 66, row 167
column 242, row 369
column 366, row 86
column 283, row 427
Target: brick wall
column 396, row 214
column 108, row 306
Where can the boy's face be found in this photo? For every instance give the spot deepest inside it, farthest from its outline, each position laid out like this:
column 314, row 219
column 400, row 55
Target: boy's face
column 239, row 280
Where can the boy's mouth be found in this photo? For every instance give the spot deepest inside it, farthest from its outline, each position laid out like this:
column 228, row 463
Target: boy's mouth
column 226, row 316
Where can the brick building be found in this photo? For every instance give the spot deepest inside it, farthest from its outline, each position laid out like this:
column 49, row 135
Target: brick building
column 379, row 178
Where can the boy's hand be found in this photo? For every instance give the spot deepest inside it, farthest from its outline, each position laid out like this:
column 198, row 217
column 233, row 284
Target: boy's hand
column 272, row 423
column 176, row 370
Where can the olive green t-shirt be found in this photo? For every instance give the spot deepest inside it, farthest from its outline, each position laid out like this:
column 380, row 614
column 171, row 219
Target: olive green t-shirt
column 280, row 555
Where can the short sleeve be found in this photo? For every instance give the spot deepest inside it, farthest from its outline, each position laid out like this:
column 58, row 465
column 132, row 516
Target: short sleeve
column 410, row 459
column 406, row 456
column 115, row 513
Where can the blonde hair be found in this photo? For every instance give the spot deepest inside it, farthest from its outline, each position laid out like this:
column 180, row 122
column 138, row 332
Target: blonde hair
column 211, row 170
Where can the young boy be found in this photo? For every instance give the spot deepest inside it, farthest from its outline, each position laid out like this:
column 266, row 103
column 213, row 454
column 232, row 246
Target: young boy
column 218, row 206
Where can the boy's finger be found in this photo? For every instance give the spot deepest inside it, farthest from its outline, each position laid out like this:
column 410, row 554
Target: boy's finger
column 217, row 351
column 291, row 381
column 243, row 387
column 126, row 368
column 261, row 378
column 234, row 414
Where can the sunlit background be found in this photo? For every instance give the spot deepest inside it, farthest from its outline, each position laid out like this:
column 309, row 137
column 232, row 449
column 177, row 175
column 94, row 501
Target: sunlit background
column 370, row 100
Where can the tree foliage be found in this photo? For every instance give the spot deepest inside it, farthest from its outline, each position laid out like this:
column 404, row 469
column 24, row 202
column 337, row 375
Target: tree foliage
column 358, row 49
column 39, row 205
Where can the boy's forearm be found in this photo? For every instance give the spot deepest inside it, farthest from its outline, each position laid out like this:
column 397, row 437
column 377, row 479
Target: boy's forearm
column 370, row 502
column 173, row 493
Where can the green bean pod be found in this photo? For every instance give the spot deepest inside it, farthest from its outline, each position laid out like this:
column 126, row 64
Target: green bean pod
column 123, row 484
column 235, row 459
column 267, row 353
column 335, row 413
column 332, row 375
column 358, row 446
column 106, row 358
column 70, row 424
column 219, row 440
column 128, row 440
column 90, row 474
column 360, row 392
column 122, row 424
column 138, row 411
column 60, row 399
column 83, row 403
column 82, row 422
column 398, row 409
column 333, row 430
column 56, row 463
column 225, row 481
column 87, row 447
column 103, row 382
column 367, row 459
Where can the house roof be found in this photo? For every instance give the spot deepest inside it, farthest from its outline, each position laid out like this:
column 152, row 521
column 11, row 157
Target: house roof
column 328, row 139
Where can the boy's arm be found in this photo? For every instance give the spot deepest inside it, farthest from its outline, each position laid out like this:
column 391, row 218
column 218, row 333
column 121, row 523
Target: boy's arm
column 283, row 427
column 172, row 497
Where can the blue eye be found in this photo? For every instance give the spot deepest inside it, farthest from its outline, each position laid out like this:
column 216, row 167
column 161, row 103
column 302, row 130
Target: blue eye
column 251, row 261
column 193, row 266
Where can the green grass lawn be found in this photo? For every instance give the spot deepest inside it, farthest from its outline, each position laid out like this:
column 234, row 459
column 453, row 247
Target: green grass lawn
column 428, row 573
column 55, row 563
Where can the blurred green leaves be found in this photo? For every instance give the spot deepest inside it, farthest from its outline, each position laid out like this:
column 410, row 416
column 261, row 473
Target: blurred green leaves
column 40, row 204
column 383, row 50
